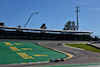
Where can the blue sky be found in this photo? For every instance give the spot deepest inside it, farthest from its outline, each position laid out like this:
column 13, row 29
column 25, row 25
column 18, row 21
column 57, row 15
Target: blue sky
column 54, row 13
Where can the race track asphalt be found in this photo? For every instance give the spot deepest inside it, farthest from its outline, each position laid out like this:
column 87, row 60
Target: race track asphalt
column 80, row 56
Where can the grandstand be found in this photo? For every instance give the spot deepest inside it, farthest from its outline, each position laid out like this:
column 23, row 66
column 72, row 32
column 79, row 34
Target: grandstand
column 43, row 34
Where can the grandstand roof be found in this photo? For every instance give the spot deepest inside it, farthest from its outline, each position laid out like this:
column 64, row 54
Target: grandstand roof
column 47, row 30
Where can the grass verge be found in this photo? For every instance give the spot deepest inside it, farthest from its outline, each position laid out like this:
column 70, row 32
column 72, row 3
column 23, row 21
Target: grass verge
column 84, row 46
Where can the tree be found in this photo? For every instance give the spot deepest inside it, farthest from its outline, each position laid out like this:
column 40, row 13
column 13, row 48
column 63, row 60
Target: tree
column 96, row 37
column 19, row 26
column 43, row 26
column 2, row 24
column 69, row 26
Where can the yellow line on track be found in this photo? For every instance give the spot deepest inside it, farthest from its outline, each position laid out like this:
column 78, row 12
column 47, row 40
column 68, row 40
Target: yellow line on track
column 25, row 56
column 41, row 55
column 70, row 56
column 17, row 44
column 8, row 44
column 26, row 48
column 14, row 49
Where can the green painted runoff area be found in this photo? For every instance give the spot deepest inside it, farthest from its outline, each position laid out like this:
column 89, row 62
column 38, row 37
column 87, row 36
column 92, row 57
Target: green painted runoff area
column 73, row 65
column 85, row 46
column 24, row 52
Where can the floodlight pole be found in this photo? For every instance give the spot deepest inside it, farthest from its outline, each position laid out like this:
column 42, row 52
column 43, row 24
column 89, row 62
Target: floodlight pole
column 30, row 18
column 77, row 17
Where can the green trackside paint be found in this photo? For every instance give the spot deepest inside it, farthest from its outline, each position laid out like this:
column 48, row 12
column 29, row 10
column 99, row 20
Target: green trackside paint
column 73, row 65
column 24, row 52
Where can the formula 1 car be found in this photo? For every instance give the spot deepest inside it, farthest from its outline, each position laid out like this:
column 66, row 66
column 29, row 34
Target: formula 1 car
column 57, row 60
column 59, row 44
